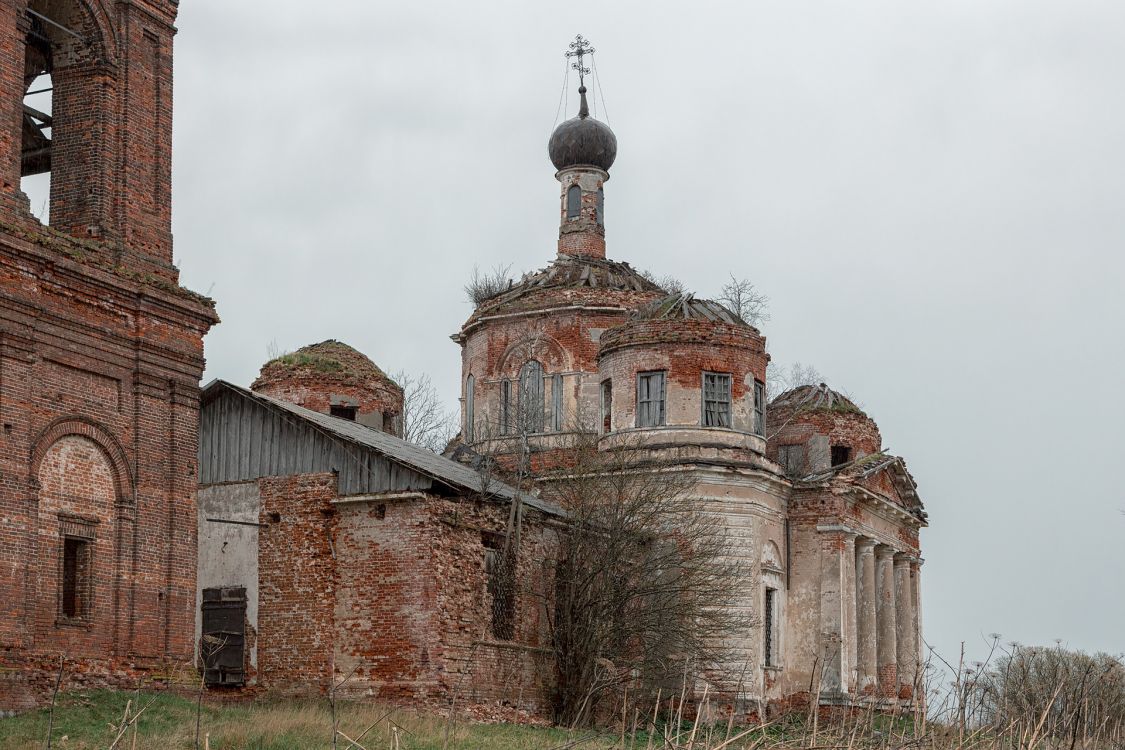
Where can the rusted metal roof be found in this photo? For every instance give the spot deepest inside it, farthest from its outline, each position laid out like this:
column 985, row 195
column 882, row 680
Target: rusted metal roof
column 396, row 449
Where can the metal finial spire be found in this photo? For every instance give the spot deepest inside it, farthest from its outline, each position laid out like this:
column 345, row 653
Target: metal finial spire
column 579, row 48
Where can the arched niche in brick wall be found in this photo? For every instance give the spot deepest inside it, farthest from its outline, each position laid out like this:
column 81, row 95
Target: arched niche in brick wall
column 539, row 347
column 106, row 443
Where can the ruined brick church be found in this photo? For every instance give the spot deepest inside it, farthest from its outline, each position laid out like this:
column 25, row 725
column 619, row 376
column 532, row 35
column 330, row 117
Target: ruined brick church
column 140, row 514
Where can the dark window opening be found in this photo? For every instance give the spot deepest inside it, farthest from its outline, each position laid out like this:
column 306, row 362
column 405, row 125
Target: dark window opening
column 607, row 406
column 841, row 454
column 222, row 647
column 573, row 202
column 343, row 411
column 769, row 622
column 759, row 408
column 500, row 582
column 650, row 399
column 601, row 207
column 76, row 578
column 716, row 399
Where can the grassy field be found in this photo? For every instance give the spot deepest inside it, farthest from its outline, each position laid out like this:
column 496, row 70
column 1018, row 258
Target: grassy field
column 88, row 721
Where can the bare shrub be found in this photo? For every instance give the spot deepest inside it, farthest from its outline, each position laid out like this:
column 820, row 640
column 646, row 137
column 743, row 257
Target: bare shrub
column 640, row 578
column 780, row 378
column 483, row 286
column 425, row 419
column 745, row 301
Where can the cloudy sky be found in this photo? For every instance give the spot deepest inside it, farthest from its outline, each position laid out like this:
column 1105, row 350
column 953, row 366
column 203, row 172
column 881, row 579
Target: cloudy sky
column 930, row 193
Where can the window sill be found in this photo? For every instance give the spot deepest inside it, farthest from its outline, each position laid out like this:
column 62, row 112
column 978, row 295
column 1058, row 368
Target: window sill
column 771, row 668
column 73, row 622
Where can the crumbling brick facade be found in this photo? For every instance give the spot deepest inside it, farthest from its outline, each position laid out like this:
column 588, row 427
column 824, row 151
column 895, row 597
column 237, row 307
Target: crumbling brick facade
column 383, row 581
column 100, row 358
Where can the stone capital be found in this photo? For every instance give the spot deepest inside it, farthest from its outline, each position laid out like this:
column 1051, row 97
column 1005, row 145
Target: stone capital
column 865, row 545
column 884, row 552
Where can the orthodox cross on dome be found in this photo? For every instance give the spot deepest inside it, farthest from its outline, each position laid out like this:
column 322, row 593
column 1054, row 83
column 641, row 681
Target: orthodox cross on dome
column 579, row 48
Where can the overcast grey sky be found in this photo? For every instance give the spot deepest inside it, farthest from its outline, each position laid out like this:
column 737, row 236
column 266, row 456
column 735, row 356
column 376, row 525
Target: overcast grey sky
column 930, row 193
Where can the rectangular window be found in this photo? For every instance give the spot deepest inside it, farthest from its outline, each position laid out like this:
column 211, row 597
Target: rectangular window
column 76, row 568
column 769, row 621
column 841, row 454
column 650, row 399
column 791, row 458
column 505, row 406
column 607, row 406
column 759, row 408
column 716, row 399
column 343, row 411
column 499, row 576
column 557, row 402
column 75, row 578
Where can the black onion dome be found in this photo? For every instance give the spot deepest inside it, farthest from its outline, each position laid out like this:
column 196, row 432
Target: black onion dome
column 582, row 141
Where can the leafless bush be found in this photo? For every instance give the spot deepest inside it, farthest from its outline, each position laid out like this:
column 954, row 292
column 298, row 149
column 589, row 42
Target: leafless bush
column 483, row 286
column 670, row 284
column 744, row 300
column 780, row 378
column 640, row 572
column 1055, row 692
column 425, row 419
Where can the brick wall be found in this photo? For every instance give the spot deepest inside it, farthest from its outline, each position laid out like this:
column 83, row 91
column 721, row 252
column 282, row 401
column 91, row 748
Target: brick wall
column 297, row 577
column 100, row 358
column 414, row 611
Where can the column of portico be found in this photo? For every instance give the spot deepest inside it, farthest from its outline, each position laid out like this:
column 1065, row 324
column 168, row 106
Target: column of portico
column 851, row 636
column 916, row 598
column 905, row 626
column 837, row 555
column 886, row 621
column 866, row 666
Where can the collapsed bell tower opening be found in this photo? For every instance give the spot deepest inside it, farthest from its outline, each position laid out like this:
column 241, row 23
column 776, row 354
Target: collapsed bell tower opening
column 36, row 122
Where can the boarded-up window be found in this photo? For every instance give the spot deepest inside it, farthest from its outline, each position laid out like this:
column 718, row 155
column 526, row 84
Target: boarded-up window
column 470, row 411
column 223, row 643
column 716, row 399
column 791, row 458
column 531, row 397
column 573, row 202
column 650, row 399
column 557, row 416
column 505, row 406
column 759, row 408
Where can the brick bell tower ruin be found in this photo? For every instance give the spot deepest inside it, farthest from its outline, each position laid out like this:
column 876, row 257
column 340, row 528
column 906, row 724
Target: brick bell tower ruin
column 101, row 352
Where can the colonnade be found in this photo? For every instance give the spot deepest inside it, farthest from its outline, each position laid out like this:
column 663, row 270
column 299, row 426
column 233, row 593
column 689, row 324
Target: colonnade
column 870, row 616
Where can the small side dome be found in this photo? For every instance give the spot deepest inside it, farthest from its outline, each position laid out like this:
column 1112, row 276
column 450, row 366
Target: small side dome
column 813, row 428
column 333, row 378
column 815, row 397
column 582, row 141
column 685, row 306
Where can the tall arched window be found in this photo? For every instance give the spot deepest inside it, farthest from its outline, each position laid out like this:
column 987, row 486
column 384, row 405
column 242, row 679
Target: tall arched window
column 531, row 397
column 573, row 202
column 601, row 207
column 470, row 416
